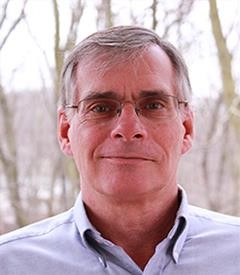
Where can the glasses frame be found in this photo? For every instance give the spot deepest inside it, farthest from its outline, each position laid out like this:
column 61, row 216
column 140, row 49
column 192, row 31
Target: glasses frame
column 118, row 112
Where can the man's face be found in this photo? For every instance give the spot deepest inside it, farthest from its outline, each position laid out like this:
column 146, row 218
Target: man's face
column 129, row 156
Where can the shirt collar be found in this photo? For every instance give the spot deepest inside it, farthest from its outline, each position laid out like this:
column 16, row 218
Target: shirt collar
column 176, row 236
column 82, row 222
column 178, row 233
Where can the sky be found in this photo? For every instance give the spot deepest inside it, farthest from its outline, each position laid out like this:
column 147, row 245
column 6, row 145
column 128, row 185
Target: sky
column 22, row 66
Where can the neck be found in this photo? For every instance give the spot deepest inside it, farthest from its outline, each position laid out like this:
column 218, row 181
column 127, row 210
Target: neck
column 137, row 225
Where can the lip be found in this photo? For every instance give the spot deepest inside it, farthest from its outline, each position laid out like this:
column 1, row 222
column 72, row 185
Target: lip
column 126, row 159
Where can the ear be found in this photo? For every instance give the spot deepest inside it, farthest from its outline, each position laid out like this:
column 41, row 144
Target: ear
column 63, row 127
column 188, row 122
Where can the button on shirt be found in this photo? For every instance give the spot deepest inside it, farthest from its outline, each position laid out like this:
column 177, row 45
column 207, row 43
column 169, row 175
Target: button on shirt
column 200, row 243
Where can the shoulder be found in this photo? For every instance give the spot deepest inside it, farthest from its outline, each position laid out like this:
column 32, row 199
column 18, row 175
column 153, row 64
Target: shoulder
column 213, row 238
column 214, row 217
column 45, row 247
column 204, row 222
column 38, row 229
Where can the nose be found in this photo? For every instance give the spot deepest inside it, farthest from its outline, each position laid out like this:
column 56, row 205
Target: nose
column 128, row 126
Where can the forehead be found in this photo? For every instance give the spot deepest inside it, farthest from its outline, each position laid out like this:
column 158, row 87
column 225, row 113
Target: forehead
column 151, row 70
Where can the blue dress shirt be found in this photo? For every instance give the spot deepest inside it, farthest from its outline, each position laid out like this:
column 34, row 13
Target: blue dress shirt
column 201, row 242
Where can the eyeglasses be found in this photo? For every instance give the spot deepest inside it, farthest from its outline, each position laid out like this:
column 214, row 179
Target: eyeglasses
column 158, row 107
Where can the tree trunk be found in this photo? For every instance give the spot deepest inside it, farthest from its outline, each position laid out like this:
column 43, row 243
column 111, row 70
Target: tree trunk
column 231, row 99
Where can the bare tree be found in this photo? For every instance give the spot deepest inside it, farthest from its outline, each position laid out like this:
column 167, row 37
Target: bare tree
column 154, row 14
column 231, row 98
column 8, row 150
column 105, row 14
column 180, row 13
column 13, row 24
column 63, row 171
column 225, row 62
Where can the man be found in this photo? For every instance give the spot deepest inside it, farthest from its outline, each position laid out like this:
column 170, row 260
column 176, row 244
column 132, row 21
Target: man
column 126, row 120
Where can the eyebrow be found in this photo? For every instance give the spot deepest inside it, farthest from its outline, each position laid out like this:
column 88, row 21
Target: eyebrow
column 114, row 95
column 152, row 93
column 99, row 95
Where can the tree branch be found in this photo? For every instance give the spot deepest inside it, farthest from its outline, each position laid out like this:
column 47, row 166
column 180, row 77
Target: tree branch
column 5, row 7
column 14, row 24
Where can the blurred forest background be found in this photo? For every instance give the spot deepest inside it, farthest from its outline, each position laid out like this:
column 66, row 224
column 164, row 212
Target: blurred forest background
column 36, row 180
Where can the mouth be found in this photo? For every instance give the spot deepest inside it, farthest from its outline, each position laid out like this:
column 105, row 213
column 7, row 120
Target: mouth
column 126, row 159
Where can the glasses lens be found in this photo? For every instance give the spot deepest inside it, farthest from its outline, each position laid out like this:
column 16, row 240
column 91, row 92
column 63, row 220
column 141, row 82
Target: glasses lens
column 99, row 108
column 158, row 107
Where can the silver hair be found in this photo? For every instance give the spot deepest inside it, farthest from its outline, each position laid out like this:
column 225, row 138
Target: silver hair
column 117, row 44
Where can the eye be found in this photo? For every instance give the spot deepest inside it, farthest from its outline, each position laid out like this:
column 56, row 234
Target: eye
column 102, row 107
column 154, row 105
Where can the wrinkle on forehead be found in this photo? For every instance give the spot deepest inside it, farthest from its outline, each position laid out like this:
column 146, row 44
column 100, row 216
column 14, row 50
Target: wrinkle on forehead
column 107, row 58
column 103, row 67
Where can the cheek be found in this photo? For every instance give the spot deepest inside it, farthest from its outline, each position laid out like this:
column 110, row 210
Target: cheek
column 77, row 142
column 170, row 137
column 84, row 140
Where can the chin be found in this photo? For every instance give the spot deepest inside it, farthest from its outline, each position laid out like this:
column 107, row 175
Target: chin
column 128, row 191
